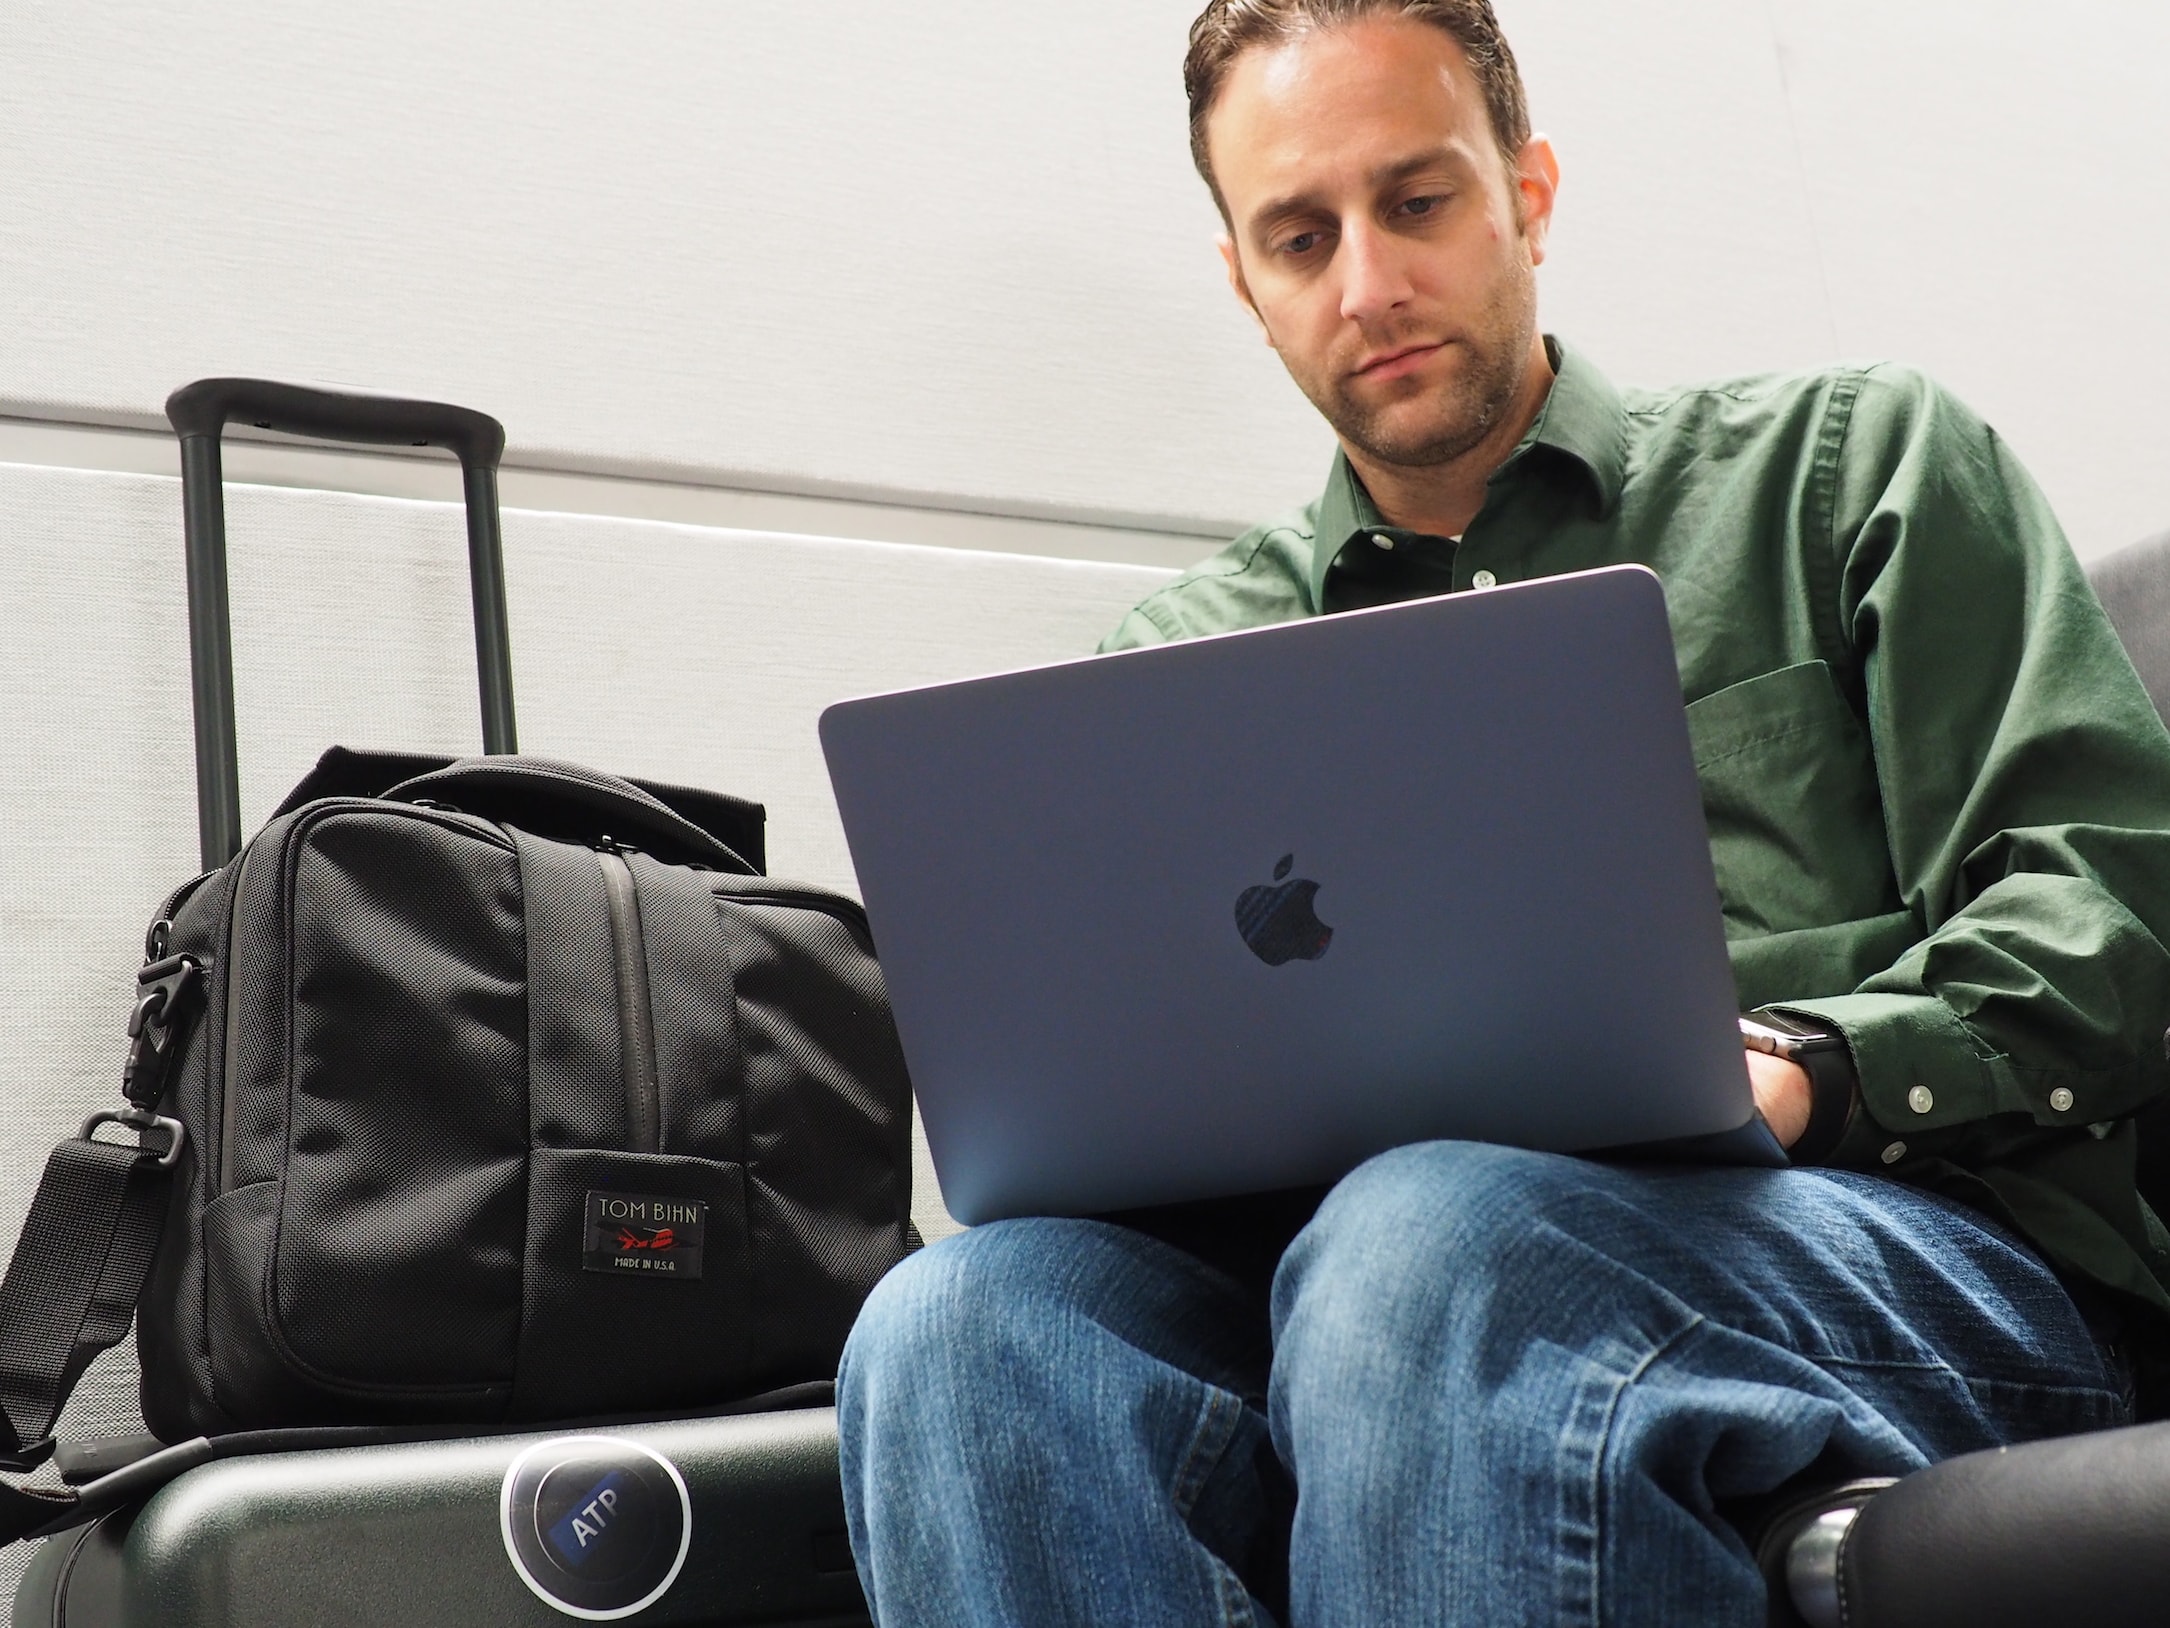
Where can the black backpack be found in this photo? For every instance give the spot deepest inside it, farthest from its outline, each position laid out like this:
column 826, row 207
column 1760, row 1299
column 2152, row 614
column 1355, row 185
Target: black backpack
column 470, row 1092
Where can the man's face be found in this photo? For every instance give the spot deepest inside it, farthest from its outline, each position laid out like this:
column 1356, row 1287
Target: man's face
column 1376, row 233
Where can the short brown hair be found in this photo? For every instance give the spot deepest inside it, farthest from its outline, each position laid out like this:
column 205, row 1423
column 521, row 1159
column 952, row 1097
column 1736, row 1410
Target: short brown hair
column 1228, row 28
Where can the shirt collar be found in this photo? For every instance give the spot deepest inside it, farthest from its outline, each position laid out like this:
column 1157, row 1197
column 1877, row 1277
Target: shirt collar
column 1583, row 418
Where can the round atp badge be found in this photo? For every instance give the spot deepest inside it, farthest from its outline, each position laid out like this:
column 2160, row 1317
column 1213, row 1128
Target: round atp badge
column 597, row 1526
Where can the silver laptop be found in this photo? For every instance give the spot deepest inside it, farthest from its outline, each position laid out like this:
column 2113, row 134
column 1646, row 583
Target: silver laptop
column 1234, row 914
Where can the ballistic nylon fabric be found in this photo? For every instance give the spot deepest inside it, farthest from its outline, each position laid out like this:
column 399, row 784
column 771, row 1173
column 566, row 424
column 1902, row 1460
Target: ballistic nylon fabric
column 576, row 1096
column 244, row 1130
column 597, row 1342
column 402, row 1199
column 173, row 1346
column 699, row 1067
column 824, row 1143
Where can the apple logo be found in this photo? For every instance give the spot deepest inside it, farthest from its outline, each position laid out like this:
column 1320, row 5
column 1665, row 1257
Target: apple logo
column 1277, row 921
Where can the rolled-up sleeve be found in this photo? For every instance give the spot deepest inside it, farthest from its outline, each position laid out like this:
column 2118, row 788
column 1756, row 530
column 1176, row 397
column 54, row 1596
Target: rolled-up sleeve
column 2025, row 781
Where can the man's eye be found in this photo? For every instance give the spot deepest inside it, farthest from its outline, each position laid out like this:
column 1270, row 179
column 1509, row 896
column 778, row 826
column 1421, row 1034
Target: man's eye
column 1302, row 243
column 1430, row 205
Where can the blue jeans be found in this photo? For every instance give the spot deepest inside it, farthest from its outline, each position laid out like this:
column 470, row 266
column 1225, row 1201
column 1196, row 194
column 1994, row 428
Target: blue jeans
column 1494, row 1387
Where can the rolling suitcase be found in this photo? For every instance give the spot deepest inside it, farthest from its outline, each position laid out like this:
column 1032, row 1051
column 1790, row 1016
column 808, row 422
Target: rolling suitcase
column 725, row 1522
column 731, row 1516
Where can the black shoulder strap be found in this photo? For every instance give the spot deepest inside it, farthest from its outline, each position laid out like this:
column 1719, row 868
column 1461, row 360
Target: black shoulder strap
column 86, row 1246
column 69, row 1293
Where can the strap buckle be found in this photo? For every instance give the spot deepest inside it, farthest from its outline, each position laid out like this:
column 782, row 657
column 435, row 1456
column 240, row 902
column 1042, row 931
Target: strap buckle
column 143, row 1121
column 25, row 1459
column 163, row 987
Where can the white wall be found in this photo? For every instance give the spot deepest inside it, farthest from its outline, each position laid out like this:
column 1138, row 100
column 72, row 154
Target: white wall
column 953, row 251
column 1970, row 185
column 840, row 244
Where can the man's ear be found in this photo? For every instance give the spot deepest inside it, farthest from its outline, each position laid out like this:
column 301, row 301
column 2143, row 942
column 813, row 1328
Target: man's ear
column 1234, row 262
column 1537, row 189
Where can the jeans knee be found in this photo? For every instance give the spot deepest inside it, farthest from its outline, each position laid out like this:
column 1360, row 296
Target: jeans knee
column 939, row 1315
column 1412, row 1247
column 1432, row 1202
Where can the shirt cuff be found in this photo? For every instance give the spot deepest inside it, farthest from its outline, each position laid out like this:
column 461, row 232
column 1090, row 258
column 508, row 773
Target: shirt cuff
column 1919, row 1067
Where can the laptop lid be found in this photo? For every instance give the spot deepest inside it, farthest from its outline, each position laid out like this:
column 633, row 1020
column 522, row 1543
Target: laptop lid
column 1235, row 914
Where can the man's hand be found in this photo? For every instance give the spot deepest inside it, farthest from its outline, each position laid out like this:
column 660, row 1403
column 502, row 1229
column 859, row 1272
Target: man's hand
column 1782, row 1093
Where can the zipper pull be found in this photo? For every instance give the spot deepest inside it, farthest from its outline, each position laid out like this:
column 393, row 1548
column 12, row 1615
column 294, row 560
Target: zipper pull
column 607, row 844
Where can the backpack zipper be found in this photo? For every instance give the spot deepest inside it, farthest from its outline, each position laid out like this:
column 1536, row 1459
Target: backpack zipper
column 636, row 1019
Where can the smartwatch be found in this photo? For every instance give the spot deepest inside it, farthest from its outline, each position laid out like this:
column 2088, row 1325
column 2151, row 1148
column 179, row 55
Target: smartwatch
column 1834, row 1083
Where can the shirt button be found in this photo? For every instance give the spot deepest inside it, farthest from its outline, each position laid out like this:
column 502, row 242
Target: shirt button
column 1921, row 1099
column 2061, row 1100
column 1894, row 1153
column 1382, row 540
column 1484, row 579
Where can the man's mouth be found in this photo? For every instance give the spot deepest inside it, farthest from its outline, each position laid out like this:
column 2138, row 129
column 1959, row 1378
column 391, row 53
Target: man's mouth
column 1392, row 364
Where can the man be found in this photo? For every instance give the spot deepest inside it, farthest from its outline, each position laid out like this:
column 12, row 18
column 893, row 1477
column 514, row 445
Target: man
column 1487, row 1386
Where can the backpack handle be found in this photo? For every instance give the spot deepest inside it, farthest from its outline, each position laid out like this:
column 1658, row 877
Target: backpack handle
column 566, row 800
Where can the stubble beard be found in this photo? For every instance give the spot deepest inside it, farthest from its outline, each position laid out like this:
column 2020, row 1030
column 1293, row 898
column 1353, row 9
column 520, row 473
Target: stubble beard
column 1465, row 408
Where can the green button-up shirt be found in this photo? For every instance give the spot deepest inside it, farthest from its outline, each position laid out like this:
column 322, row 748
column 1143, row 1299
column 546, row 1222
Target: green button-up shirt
column 1938, row 797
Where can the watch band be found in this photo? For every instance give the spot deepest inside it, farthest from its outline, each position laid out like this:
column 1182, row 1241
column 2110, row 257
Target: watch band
column 1834, row 1082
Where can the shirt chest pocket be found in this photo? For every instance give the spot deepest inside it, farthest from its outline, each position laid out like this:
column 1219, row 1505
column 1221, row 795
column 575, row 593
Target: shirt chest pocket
column 1790, row 795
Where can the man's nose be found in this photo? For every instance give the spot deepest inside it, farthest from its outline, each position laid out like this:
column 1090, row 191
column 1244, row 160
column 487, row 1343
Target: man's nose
column 1373, row 279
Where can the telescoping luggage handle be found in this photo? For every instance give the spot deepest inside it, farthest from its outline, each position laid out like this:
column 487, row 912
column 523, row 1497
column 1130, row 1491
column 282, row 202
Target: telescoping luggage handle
column 199, row 414
column 70, row 1289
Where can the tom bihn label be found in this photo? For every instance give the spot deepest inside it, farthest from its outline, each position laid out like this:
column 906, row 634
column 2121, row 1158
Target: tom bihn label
column 640, row 1234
